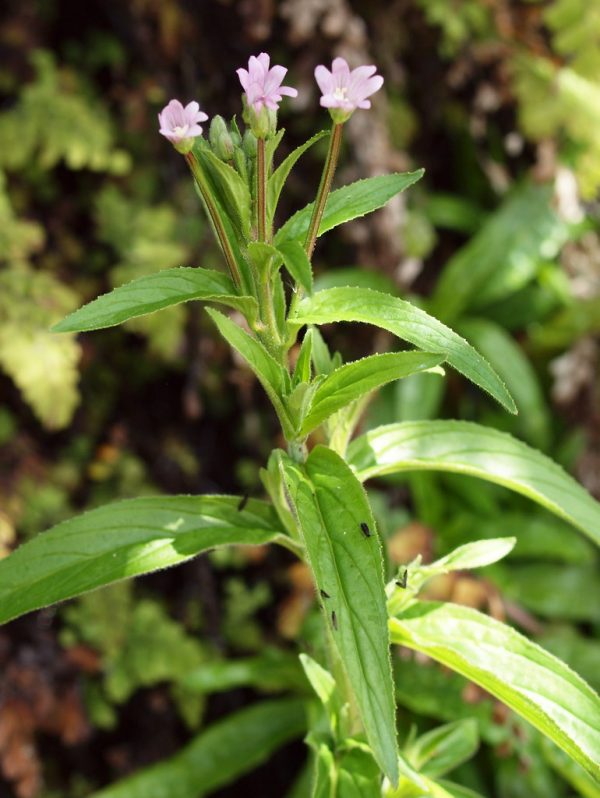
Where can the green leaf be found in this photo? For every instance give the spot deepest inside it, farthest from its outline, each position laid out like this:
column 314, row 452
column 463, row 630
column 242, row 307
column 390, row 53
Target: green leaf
column 219, row 755
column 126, row 539
column 515, row 670
column 503, row 256
column 233, row 190
column 297, row 263
column 358, row 775
column 280, row 175
column 348, row 203
column 474, row 555
column 273, row 377
column 154, row 292
column 466, row 448
column 568, row 592
column 324, row 685
column 302, row 369
column 356, row 277
column 353, row 380
column 347, row 565
column 507, row 358
column 407, row 322
column 272, row 670
column 443, row 749
column 452, row 790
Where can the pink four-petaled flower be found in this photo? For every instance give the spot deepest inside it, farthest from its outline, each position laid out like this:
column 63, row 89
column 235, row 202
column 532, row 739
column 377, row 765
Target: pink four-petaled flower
column 262, row 84
column 344, row 90
column 179, row 124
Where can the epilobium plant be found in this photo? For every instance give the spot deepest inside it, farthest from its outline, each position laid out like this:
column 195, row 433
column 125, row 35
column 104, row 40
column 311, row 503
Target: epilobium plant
column 316, row 504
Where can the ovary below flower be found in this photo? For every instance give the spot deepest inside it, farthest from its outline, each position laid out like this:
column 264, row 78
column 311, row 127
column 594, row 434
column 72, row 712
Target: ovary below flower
column 181, row 125
column 344, row 90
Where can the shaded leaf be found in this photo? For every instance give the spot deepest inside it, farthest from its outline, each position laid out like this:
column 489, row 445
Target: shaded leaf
column 444, row 748
column 273, row 377
column 297, row 263
column 219, row 755
column 503, row 256
column 507, row 358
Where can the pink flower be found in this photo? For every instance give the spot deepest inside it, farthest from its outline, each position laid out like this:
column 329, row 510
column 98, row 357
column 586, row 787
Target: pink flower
column 180, row 125
column 263, row 85
column 344, row 90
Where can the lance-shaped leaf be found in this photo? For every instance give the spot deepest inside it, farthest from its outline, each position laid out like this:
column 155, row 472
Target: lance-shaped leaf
column 297, row 263
column 126, row 539
column 154, row 292
column 466, row 448
column 353, row 380
column 219, row 755
column 280, row 175
column 347, row 564
column 233, row 190
column 273, row 377
column 532, row 682
column 444, row 748
column 508, row 359
column 348, row 203
column 408, row 322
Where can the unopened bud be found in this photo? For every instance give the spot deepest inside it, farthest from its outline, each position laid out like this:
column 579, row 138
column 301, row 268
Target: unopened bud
column 220, row 139
column 249, row 144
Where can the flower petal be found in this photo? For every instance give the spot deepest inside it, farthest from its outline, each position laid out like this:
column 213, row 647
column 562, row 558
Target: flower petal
column 324, row 79
column 191, row 109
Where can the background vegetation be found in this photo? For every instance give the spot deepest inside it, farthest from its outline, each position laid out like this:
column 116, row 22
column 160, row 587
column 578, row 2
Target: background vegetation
column 500, row 102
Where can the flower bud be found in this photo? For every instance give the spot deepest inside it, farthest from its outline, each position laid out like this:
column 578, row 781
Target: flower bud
column 220, row 139
column 249, row 144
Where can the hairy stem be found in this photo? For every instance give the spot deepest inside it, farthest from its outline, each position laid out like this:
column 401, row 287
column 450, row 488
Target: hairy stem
column 335, row 140
column 261, row 190
column 215, row 218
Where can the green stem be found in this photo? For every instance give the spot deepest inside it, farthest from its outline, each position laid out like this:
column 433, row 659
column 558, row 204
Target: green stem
column 261, row 190
column 335, row 140
column 215, row 218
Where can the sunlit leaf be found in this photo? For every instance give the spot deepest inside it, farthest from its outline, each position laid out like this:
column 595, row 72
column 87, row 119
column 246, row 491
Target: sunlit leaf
column 348, row 203
column 515, row 670
column 126, row 539
column 154, row 292
column 346, row 561
column 406, row 321
column 352, row 380
column 466, row 448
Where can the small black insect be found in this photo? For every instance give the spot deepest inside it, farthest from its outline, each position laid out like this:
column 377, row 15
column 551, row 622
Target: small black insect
column 334, row 620
column 243, row 502
column 324, row 594
column 403, row 580
column 365, row 529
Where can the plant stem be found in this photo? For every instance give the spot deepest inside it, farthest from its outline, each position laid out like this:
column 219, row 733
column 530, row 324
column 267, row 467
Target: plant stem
column 261, row 190
column 215, row 218
column 335, row 140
